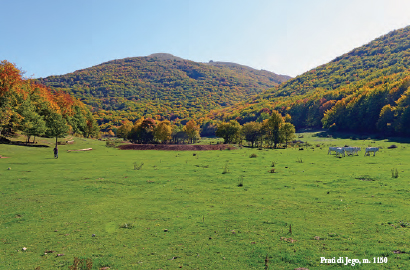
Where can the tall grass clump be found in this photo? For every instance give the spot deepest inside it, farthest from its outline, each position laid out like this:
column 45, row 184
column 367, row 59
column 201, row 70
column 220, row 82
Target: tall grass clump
column 240, row 181
column 225, row 169
column 394, row 173
column 81, row 264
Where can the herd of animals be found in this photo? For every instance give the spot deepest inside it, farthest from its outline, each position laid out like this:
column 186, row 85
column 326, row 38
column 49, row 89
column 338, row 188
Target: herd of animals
column 342, row 151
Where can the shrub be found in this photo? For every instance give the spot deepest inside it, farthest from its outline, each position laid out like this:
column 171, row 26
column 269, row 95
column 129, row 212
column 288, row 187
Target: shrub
column 253, row 156
column 299, row 160
column 226, row 169
column 138, row 167
column 273, row 164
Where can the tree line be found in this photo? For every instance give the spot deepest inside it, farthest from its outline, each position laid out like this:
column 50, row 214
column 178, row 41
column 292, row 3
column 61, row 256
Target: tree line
column 271, row 131
column 148, row 130
column 36, row 110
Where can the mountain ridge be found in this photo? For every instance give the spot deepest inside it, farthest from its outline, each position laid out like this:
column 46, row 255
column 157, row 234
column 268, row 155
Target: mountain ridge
column 162, row 86
column 363, row 90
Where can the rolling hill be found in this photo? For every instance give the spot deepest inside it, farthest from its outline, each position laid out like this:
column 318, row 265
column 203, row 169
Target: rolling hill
column 162, row 86
column 364, row 90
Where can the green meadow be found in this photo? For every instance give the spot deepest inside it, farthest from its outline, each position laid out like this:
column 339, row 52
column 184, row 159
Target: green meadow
column 232, row 209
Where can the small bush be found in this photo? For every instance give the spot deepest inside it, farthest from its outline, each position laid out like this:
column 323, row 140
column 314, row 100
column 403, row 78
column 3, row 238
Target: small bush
column 394, row 173
column 225, row 169
column 253, row 156
column 110, row 144
column 138, row 167
column 299, row 160
column 273, row 164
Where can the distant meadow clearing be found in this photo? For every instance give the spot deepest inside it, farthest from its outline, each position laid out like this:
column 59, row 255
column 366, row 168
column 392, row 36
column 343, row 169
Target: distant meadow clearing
column 225, row 209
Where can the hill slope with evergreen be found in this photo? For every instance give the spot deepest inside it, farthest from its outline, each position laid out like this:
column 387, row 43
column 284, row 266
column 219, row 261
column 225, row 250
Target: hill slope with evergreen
column 364, row 90
column 162, row 86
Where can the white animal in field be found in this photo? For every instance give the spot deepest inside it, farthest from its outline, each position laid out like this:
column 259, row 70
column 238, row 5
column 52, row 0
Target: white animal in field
column 332, row 149
column 352, row 150
column 340, row 151
column 371, row 149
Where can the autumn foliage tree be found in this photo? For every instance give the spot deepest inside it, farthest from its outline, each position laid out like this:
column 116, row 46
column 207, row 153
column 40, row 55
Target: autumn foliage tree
column 37, row 110
column 163, row 132
column 192, row 130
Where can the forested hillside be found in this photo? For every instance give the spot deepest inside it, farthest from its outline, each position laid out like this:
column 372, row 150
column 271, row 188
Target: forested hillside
column 363, row 90
column 36, row 110
column 162, row 86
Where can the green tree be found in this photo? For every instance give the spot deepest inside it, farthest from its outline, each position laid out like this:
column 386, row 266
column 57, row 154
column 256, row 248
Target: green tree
column 272, row 128
column 287, row 131
column 143, row 131
column 91, row 127
column 386, row 120
column 230, row 132
column 78, row 122
column 32, row 123
column 56, row 126
column 252, row 131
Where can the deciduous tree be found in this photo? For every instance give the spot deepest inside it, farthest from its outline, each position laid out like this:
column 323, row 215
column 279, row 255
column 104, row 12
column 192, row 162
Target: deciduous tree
column 230, row 132
column 252, row 131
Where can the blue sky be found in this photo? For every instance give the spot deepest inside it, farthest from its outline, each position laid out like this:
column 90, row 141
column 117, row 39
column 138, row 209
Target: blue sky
column 53, row 37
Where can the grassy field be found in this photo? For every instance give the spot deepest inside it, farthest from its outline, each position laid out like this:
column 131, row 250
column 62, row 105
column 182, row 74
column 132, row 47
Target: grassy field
column 204, row 209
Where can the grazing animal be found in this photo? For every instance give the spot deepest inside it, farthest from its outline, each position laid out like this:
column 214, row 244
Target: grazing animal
column 331, row 149
column 352, row 150
column 371, row 149
column 340, row 151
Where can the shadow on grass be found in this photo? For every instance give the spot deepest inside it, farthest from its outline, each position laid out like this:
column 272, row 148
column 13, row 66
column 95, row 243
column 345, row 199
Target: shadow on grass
column 20, row 143
column 358, row 136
